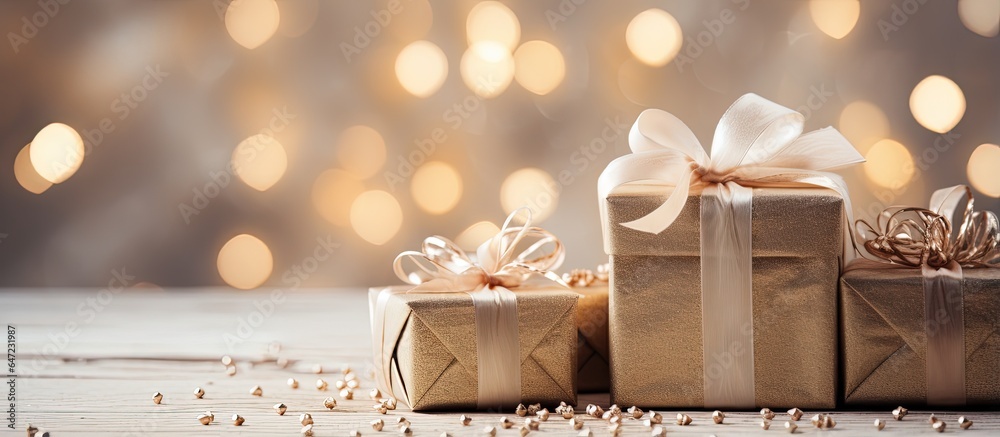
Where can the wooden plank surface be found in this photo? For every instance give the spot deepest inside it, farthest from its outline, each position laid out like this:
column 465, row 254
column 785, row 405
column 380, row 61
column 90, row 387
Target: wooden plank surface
column 88, row 363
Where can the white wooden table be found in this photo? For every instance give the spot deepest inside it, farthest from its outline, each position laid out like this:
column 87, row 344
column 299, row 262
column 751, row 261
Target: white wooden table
column 89, row 361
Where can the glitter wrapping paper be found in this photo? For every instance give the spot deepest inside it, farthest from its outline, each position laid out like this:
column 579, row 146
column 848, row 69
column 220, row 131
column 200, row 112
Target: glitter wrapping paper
column 434, row 363
column 883, row 336
column 657, row 357
column 592, row 324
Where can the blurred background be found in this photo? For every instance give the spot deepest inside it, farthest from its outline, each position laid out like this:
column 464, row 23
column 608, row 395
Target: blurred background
column 288, row 143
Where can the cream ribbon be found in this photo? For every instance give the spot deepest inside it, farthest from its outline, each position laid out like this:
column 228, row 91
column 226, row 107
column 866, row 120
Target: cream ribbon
column 907, row 237
column 442, row 267
column 757, row 143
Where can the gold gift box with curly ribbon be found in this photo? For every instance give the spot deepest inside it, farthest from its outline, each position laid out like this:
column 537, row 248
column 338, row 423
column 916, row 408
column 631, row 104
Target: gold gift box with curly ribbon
column 920, row 313
column 724, row 268
column 484, row 334
column 593, row 355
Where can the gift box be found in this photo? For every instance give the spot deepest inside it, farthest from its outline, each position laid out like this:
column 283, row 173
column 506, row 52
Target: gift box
column 724, row 269
column 919, row 323
column 592, row 329
column 484, row 334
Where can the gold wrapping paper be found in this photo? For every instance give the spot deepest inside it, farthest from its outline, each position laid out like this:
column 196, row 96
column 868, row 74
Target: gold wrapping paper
column 592, row 324
column 656, row 310
column 434, row 363
column 883, row 336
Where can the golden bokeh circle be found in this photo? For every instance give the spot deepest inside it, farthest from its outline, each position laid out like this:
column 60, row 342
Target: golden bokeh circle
column 984, row 169
column 436, row 187
column 539, row 67
column 654, row 37
column 245, row 262
column 533, row 188
column 889, row 164
column 376, row 216
column 937, row 103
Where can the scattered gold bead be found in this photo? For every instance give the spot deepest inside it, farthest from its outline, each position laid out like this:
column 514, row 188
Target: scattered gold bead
column 718, row 417
column 293, row 383
column 568, row 412
column 585, row 433
column 533, row 409
column 352, row 384
column 380, row 408
column 879, row 424
column 374, row 394
column 607, row 415
column 683, row 419
column 490, row 431
column 521, row 410
column 658, row 431
column 791, row 427
column 828, row 422
column 317, row 368
column 280, row 409
column 307, row 430
column 350, row 376
column 347, row 394
column 932, row 419
column 400, row 421
column 231, row 370
column 543, row 414
column 615, row 429
column 577, row 424
column 321, row 384
column 157, row 397
column 282, row 362
column 227, row 360
column 795, row 414
column 238, row 420
column 199, row 393
column 305, row 419
column 32, row 430
column 635, row 412
column 767, row 413
column 765, row 424
column 899, row 413
column 466, row 420
column 524, row 431
column 256, row 391
column 345, row 369
column 340, row 384
column 354, row 433
column 615, row 419
column 939, row 426
column 964, row 423
column 405, row 429
column 595, row 410
column 615, row 410
column 817, row 420
column 390, row 403
column 204, row 419
column 330, row 403
column 506, row 423
column 532, row 423
column 655, row 417
column 378, row 424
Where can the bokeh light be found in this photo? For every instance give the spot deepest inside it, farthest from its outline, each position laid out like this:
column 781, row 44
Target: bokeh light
column 487, row 68
column 26, row 175
column 56, row 152
column 937, row 103
column 436, row 187
column 421, row 68
column 533, row 188
column 889, row 164
column 654, row 37
column 361, row 150
column 863, row 124
column 984, row 169
column 495, row 22
column 980, row 16
column 539, row 67
column 475, row 235
column 835, row 18
column 245, row 262
column 252, row 22
column 260, row 161
column 333, row 192
column 376, row 216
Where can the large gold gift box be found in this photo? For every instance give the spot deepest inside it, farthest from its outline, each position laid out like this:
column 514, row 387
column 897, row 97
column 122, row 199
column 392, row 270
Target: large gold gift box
column 883, row 336
column 592, row 324
column 657, row 354
column 433, row 339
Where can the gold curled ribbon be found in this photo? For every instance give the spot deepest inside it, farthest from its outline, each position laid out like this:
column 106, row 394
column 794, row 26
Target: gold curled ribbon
column 925, row 238
column 501, row 265
column 915, row 237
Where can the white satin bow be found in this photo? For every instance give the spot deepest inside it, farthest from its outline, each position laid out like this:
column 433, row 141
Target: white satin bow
column 757, row 143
